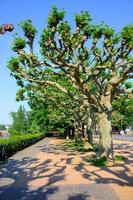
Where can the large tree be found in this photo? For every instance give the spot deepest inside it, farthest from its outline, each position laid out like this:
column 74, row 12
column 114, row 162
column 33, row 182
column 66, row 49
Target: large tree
column 96, row 60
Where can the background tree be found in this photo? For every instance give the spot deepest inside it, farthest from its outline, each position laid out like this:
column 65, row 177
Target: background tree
column 96, row 60
column 57, row 110
column 2, row 127
column 122, row 116
column 20, row 123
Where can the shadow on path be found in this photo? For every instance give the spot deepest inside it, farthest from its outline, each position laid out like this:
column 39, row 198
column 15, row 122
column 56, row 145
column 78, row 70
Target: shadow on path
column 19, row 170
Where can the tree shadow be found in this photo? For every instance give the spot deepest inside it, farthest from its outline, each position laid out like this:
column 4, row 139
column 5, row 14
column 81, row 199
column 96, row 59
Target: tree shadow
column 79, row 197
column 16, row 174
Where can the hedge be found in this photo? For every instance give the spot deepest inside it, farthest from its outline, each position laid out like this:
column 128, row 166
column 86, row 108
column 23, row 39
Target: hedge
column 9, row 146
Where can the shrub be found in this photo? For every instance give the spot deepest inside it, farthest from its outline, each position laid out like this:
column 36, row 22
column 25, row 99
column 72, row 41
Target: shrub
column 16, row 143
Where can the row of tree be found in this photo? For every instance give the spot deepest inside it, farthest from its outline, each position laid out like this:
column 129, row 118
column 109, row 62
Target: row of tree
column 81, row 71
column 55, row 115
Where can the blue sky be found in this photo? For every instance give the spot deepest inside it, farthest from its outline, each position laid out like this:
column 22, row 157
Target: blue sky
column 116, row 13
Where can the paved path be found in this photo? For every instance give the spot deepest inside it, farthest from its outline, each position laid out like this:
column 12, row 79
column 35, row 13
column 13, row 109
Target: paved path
column 123, row 137
column 43, row 172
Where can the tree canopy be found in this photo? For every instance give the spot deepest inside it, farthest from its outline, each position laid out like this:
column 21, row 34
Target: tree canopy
column 95, row 59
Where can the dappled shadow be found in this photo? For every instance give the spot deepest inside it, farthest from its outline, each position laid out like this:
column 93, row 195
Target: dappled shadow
column 15, row 176
column 121, row 176
column 35, row 178
column 23, row 193
column 79, row 197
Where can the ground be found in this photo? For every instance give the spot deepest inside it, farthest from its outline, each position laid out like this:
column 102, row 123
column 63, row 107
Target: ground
column 45, row 172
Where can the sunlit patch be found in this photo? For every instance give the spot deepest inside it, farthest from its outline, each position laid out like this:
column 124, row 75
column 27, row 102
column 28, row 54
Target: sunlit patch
column 6, row 181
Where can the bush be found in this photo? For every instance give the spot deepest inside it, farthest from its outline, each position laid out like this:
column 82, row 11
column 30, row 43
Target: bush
column 16, row 143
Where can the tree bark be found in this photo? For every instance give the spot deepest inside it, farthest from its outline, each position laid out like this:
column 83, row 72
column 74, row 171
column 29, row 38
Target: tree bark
column 106, row 143
column 78, row 132
column 83, row 130
column 90, row 128
column 90, row 136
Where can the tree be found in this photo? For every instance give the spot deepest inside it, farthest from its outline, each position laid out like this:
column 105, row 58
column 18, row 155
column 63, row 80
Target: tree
column 20, row 123
column 96, row 60
column 123, row 112
column 54, row 109
column 2, row 127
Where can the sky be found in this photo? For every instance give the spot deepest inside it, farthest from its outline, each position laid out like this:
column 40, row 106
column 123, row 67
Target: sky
column 115, row 13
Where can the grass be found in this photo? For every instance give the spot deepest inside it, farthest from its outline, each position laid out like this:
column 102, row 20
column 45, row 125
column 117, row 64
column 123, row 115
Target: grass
column 104, row 161
column 76, row 146
column 99, row 162
column 82, row 146
column 119, row 158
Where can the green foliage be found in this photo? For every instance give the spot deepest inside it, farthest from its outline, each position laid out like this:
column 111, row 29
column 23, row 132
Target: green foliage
column 82, row 20
column 127, row 34
column 44, row 40
column 72, row 145
column 75, row 146
column 64, row 31
column 99, row 162
column 55, row 16
column 34, row 128
column 13, row 64
column 96, row 31
column 122, row 116
column 18, row 44
column 107, row 31
column 128, row 85
column 25, row 122
column 16, row 143
column 50, row 115
column 20, row 122
column 2, row 127
column 20, row 93
column 103, row 161
column 28, row 29
column 119, row 158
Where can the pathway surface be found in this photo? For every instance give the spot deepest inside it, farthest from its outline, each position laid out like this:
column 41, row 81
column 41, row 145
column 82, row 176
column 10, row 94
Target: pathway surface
column 123, row 137
column 45, row 172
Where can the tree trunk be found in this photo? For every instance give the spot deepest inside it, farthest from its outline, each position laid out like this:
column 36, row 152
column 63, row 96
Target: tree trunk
column 106, row 143
column 90, row 136
column 90, row 128
column 78, row 132
column 83, row 130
